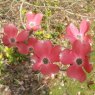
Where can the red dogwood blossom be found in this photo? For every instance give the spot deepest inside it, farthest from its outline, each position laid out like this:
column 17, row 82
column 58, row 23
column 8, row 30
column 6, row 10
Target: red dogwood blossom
column 33, row 21
column 22, row 48
column 78, row 61
column 45, row 54
column 31, row 44
column 11, row 35
column 74, row 34
column 26, row 48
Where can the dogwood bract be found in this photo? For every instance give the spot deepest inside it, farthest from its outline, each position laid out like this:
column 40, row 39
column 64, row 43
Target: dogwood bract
column 77, row 58
column 45, row 55
column 33, row 21
column 12, row 37
column 73, row 34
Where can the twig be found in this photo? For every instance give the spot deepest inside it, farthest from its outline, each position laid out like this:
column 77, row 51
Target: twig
column 21, row 6
column 40, row 87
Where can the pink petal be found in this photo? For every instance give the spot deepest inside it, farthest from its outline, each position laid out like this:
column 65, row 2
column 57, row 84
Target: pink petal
column 87, row 66
column 10, row 30
column 84, row 26
column 54, row 56
column 70, row 38
column 35, row 59
column 76, row 73
column 35, row 28
column 54, row 68
column 37, row 66
column 37, row 63
column 44, row 70
column 22, row 48
column 81, row 47
column 28, row 26
column 88, row 39
column 30, row 16
column 6, row 40
column 72, row 30
column 38, row 18
column 48, row 69
column 67, row 57
column 43, row 48
column 22, row 36
column 72, row 33
column 32, row 42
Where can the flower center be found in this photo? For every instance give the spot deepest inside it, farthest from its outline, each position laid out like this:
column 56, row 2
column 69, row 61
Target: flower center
column 30, row 49
column 32, row 24
column 79, row 37
column 45, row 61
column 13, row 40
column 79, row 61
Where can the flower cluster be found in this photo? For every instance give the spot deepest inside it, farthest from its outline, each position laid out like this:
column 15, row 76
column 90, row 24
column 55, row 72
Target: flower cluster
column 45, row 54
column 78, row 56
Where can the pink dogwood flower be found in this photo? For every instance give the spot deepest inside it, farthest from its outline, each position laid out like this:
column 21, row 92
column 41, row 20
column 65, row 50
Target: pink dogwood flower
column 45, row 54
column 28, row 47
column 11, row 35
column 31, row 44
column 74, row 34
column 83, row 47
column 78, row 61
column 33, row 21
column 22, row 48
